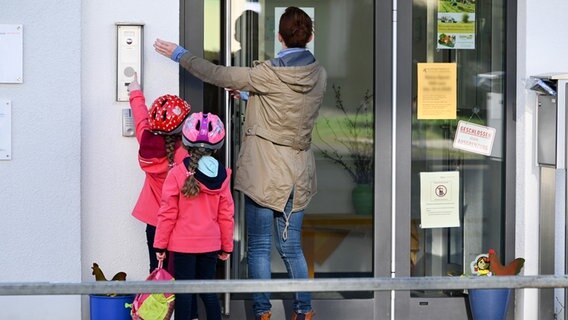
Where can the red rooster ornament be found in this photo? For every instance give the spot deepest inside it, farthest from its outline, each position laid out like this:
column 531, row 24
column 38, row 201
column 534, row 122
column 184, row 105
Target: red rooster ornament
column 497, row 269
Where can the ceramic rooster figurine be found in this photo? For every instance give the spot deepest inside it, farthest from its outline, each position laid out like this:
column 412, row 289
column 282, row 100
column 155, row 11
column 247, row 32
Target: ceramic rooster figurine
column 497, row 269
column 100, row 276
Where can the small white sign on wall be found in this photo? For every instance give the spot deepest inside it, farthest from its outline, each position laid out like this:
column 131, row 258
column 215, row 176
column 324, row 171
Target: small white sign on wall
column 5, row 130
column 11, row 53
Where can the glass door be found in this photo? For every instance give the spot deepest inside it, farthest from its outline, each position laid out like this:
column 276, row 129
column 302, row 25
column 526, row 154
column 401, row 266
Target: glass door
column 337, row 231
column 458, row 68
column 353, row 40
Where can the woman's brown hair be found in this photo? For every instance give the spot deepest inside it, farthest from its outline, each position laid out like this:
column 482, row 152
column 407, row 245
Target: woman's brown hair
column 191, row 187
column 295, row 27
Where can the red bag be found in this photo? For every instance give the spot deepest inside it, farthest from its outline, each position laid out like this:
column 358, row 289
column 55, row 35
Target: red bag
column 154, row 306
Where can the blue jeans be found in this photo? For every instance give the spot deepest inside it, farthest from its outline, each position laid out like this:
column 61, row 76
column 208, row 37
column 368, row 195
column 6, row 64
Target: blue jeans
column 259, row 223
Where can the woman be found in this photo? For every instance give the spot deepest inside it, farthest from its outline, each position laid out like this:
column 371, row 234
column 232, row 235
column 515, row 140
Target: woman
column 276, row 167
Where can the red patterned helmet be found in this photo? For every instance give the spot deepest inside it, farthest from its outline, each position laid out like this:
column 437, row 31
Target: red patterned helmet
column 167, row 114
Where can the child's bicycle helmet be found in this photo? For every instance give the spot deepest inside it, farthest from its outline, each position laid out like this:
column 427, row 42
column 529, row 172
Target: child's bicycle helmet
column 203, row 131
column 167, row 114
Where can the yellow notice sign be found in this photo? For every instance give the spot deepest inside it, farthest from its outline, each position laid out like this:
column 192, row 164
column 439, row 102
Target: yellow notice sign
column 437, row 92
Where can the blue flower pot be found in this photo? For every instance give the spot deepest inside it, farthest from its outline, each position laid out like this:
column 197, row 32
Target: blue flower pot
column 489, row 304
column 110, row 308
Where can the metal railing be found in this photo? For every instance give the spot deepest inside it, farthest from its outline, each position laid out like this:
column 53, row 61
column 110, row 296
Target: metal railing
column 282, row 285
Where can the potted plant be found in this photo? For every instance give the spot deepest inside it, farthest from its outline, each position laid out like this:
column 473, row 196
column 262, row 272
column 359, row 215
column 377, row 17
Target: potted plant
column 347, row 139
column 492, row 303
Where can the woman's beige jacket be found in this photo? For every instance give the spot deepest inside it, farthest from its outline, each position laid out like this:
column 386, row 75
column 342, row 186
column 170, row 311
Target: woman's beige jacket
column 276, row 155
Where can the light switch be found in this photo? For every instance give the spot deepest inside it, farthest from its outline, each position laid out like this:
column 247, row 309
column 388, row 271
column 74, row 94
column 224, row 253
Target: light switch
column 129, row 56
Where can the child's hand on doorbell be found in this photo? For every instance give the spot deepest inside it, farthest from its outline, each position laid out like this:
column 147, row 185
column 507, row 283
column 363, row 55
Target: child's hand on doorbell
column 134, row 85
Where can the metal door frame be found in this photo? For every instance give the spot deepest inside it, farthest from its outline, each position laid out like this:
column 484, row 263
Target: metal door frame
column 383, row 237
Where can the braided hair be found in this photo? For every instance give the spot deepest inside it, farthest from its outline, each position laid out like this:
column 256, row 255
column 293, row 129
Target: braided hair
column 171, row 141
column 191, row 187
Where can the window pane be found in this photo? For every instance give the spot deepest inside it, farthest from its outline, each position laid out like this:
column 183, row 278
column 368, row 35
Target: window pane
column 480, row 74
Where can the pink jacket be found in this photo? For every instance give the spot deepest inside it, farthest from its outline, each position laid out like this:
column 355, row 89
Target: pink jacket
column 196, row 224
column 155, row 169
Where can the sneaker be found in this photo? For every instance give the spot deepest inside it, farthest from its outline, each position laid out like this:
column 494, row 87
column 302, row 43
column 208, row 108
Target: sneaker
column 264, row 316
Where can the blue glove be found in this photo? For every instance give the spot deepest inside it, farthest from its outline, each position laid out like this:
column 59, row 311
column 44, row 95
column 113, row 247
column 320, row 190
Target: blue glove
column 178, row 52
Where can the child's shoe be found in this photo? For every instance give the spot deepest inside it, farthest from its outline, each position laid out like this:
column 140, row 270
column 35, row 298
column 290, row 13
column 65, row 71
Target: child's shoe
column 264, row 316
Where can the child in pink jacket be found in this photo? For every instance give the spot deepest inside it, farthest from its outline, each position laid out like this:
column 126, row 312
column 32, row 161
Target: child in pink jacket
column 158, row 133
column 195, row 220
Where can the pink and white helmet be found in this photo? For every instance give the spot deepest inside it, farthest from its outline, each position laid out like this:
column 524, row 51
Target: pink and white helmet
column 203, row 131
column 167, row 114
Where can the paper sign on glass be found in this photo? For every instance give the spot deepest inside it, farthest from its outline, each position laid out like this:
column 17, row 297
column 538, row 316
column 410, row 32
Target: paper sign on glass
column 474, row 138
column 456, row 24
column 439, row 199
column 437, row 91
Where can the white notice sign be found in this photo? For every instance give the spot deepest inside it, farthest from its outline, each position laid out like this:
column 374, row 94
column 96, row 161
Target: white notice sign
column 439, row 199
column 11, row 53
column 5, row 130
column 474, row 138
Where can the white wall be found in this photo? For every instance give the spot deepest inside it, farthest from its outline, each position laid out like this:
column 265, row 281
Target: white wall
column 111, row 177
column 541, row 49
column 68, row 192
column 40, row 232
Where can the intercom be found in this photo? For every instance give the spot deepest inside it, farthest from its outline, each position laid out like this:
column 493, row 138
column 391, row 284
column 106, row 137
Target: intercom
column 129, row 48
column 128, row 128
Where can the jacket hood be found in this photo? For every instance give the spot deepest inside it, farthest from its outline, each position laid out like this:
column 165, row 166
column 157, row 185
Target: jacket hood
column 299, row 71
column 213, row 189
column 214, row 184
